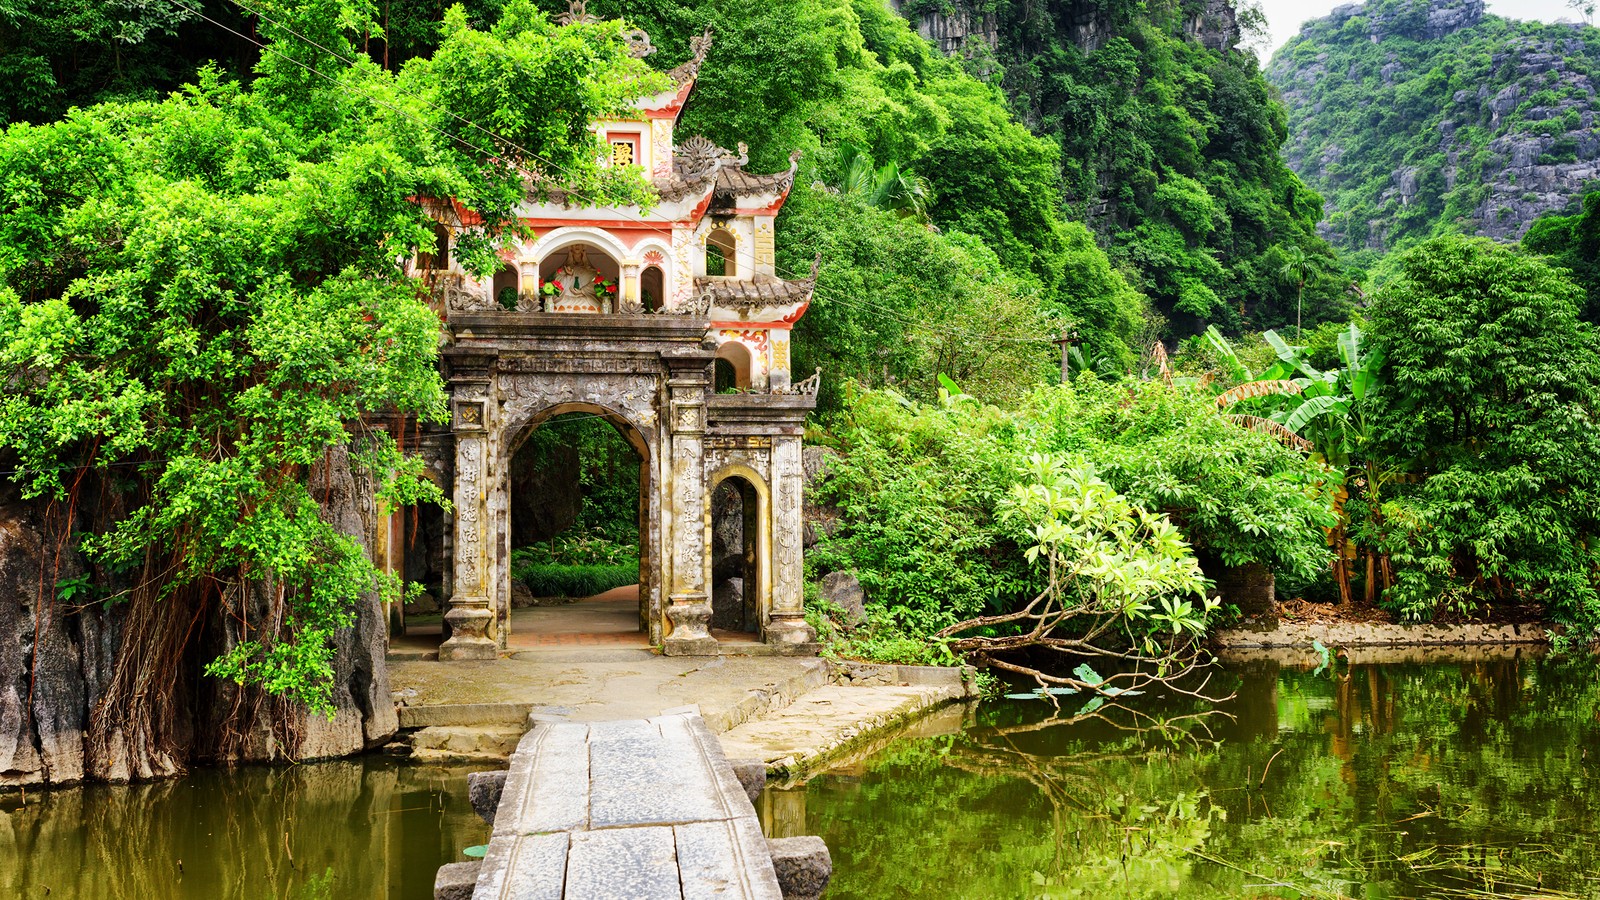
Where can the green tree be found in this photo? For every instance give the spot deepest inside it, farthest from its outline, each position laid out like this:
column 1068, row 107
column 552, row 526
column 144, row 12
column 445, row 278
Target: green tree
column 203, row 299
column 1573, row 242
column 1488, row 390
column 1293, row 270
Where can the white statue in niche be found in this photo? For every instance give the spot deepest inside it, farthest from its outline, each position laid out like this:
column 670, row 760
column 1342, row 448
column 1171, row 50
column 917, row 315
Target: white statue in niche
column 578, row 287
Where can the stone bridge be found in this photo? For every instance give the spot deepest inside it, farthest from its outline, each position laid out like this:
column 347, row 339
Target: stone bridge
column 642, row 809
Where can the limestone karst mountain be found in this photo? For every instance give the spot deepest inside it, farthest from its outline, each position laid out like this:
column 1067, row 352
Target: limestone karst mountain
column 1413, row 117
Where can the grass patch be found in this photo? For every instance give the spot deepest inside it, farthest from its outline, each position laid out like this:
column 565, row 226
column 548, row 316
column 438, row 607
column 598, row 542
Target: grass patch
column 563, row 580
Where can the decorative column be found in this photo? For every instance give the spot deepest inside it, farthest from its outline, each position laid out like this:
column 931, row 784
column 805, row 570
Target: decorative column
column 628, row 292
column 528, row 292
column 469, row 614
column 788, row 622
column 688, row 605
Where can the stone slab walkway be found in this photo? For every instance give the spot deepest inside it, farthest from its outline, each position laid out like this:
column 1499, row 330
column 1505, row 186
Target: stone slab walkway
column 626, row 810
column 828, row 721
column 584, row 686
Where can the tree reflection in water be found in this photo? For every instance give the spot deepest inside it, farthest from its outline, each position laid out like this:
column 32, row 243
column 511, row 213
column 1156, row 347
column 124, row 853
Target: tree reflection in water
column 369, row 829
column 1470, row 779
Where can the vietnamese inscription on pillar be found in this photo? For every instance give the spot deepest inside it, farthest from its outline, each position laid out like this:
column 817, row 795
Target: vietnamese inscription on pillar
column 787, row 479
column 468, row 516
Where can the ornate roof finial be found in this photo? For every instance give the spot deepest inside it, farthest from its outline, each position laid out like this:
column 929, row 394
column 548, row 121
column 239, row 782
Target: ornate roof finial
column 698, row 48
column 701, row 45
column 576, row 14
column 638, row 42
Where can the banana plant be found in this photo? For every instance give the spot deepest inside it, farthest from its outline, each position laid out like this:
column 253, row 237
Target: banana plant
column 1326, row 412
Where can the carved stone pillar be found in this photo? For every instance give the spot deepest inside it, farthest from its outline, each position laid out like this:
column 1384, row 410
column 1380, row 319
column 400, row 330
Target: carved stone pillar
column 469, row 615
column 688, row 606
column 788, row 622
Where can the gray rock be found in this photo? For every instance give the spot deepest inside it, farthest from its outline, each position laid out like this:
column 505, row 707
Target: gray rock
column 843, row 590
column 455, row 881
column 484, row 789
column 752, row 775
column 803, row 865
column 425, row 604
column 521, row 596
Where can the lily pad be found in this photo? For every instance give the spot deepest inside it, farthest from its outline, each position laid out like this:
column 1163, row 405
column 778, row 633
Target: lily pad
column 476, row 851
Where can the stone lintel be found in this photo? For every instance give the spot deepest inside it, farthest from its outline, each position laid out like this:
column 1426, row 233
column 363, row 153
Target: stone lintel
column 589, row 327
column 715, row 429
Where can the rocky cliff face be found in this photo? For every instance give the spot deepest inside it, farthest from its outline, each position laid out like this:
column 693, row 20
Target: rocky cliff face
column 58, row 652
column 967, row 28
column 1411, row 117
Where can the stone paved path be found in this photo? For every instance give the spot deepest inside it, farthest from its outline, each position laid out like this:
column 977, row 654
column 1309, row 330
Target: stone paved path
column 625, row 810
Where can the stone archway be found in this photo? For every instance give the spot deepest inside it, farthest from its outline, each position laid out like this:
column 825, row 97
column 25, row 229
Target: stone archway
column 651, row 376
column 516, row 435
column 739, row 535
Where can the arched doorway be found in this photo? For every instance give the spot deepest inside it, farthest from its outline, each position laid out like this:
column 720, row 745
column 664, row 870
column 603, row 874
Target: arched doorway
column 739, row 580
column 507, row 285
column 576, row 533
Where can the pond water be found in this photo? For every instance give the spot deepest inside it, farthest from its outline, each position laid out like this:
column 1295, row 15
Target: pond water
column 1466, row 780
column 370, row 828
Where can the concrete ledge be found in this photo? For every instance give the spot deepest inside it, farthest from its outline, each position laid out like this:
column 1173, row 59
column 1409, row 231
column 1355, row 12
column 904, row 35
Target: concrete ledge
column 441, row 743
column 465, row 715
column 875, row 674
column 830, row 722
column 760, row 701
column 1302, row 634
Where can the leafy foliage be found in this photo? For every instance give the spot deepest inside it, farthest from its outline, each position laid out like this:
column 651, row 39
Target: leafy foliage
column 921, row 490
column 1488, row 390
column 1573, row 242
column 203, row 297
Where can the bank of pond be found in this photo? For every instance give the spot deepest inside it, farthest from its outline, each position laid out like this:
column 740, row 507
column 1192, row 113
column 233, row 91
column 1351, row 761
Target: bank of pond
column 1470, row 779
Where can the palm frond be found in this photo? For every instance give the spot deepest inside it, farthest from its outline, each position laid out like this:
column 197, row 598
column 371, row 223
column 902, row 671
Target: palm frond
column 1267, row 426
column 1250, row 390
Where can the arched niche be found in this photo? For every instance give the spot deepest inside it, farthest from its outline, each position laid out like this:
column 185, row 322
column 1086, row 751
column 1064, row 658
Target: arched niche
column 581, row 277
column 721, row 253
column 507, row 285
column 732, row 367
column 652, row 288
column 740, row 545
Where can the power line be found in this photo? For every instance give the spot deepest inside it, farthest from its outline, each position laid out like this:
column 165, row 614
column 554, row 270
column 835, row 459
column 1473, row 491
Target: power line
column 494, row 136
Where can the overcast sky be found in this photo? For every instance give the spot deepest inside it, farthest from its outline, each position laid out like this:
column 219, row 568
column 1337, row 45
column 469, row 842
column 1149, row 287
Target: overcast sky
column 1284, row 16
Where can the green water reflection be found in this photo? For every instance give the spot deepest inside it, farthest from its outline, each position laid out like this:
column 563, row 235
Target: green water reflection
column 367, row 829
column 1466, row 780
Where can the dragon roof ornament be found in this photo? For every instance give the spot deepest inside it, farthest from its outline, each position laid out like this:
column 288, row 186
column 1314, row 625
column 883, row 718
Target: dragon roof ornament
column 576, row 14
column 699, row 46
column 637, row 39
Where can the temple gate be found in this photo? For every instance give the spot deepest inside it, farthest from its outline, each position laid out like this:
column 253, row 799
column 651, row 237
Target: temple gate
column 625, row 315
